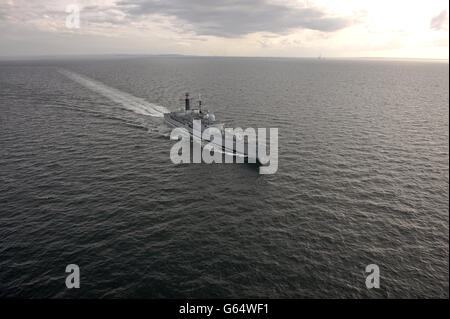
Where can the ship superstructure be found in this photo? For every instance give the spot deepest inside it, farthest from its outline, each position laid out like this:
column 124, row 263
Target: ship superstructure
column 184, row 118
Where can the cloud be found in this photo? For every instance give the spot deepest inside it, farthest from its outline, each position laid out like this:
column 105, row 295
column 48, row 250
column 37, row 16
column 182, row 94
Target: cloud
column 440, row 22
column 232, row 18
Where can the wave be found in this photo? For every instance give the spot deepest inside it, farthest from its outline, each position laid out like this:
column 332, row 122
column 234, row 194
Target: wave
column 128, row 101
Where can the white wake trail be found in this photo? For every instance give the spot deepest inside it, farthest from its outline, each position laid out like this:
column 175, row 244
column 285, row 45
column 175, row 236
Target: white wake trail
column 128, row 101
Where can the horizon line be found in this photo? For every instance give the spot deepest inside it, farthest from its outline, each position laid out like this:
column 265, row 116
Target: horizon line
column 321, row 57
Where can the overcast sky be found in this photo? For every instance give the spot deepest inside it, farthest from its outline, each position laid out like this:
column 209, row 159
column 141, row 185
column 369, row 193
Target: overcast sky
column 295, row 28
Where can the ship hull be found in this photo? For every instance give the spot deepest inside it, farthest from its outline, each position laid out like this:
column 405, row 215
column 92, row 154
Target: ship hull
column 170, row 121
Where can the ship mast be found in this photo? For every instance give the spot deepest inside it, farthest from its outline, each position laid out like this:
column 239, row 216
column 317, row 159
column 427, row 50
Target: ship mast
column 186, row 102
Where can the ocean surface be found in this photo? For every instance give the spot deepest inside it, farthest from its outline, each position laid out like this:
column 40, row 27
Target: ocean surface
column 86, row 179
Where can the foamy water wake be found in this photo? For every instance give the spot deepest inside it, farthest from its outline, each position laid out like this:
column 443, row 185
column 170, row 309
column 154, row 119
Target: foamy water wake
column 128, row 101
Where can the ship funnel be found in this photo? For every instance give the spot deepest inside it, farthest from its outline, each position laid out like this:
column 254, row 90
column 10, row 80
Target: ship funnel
column 186, row 106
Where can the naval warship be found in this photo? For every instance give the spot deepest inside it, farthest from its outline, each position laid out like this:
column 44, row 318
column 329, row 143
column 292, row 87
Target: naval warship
column 184, row 118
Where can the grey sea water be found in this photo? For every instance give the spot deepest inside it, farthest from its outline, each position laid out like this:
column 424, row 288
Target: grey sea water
column 86, row 179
